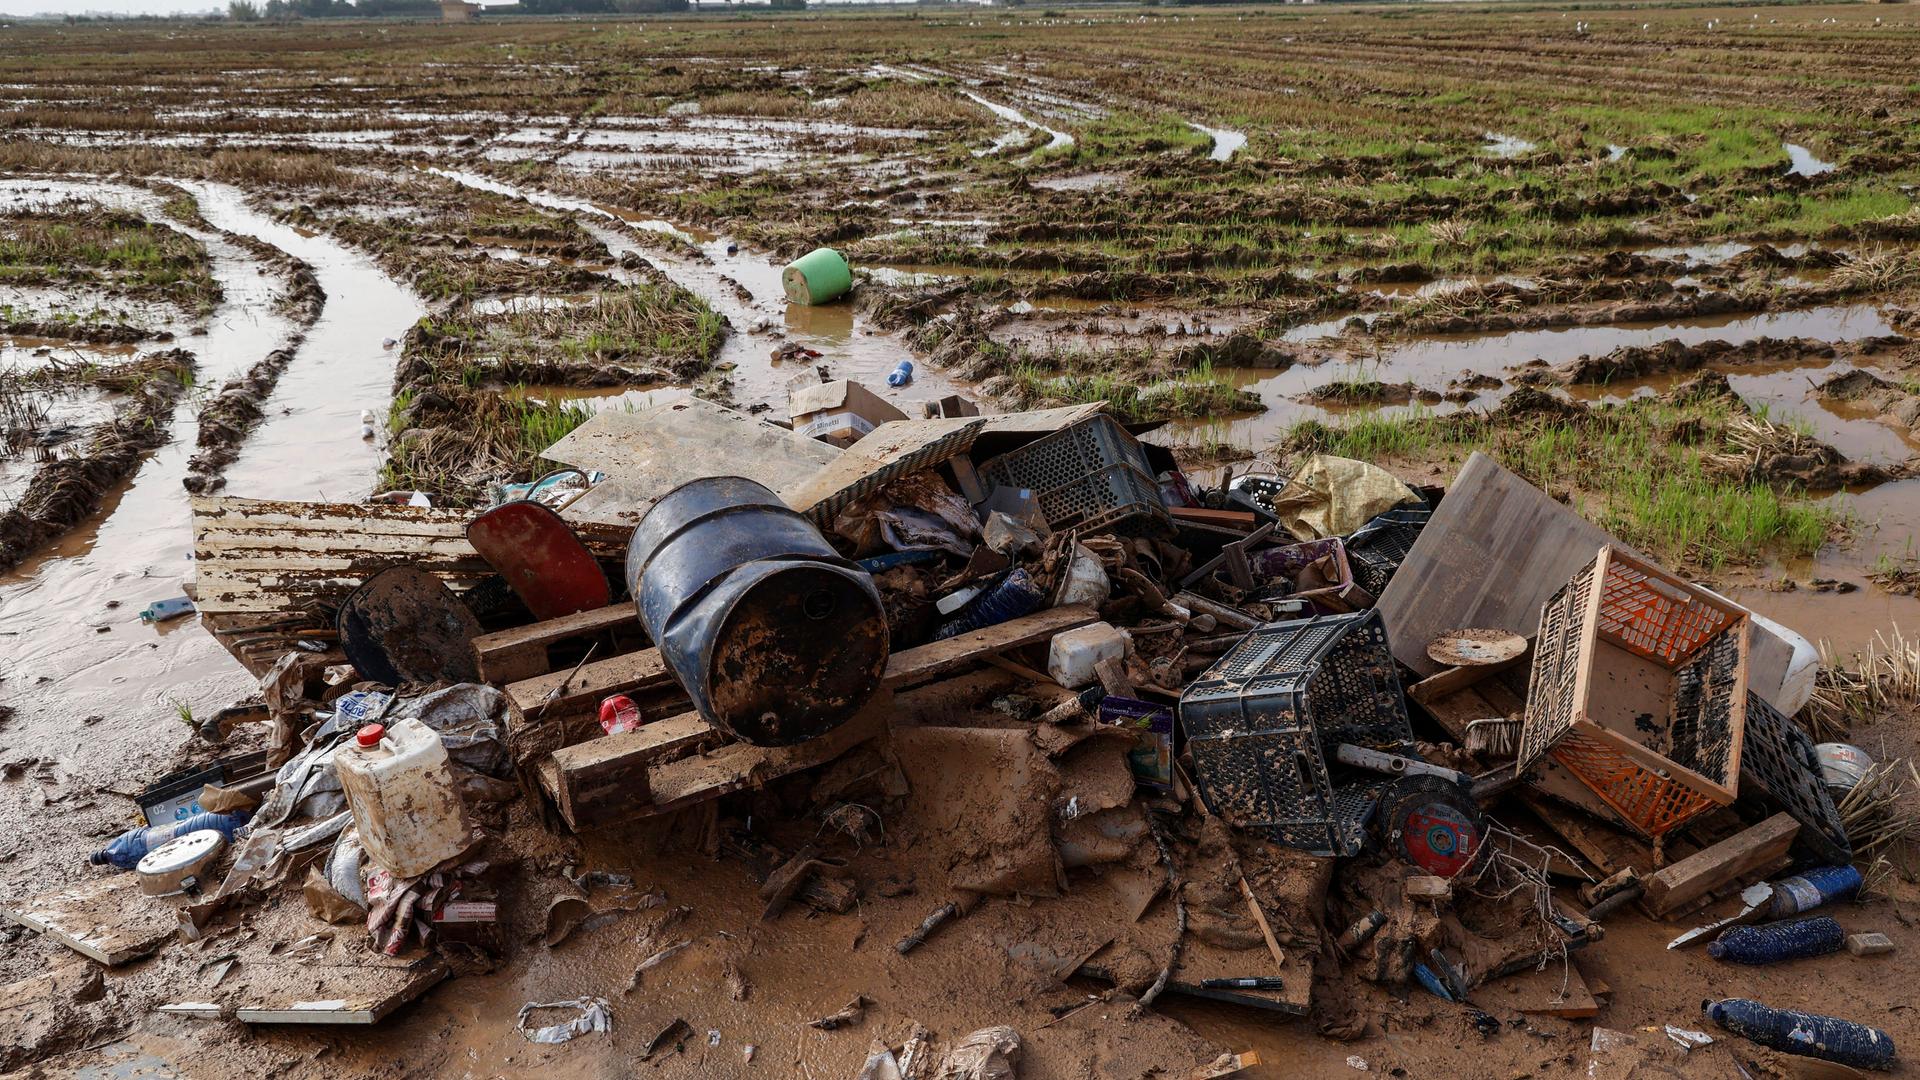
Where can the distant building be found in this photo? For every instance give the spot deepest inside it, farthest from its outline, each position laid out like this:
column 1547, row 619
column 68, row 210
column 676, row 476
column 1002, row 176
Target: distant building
column 458, row 11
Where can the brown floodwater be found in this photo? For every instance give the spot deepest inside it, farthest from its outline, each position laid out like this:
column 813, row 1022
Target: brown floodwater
column 1430, row 361
column 762, row 319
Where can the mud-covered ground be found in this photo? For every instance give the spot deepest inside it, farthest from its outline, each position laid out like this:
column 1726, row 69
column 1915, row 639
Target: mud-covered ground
column 1664, row 262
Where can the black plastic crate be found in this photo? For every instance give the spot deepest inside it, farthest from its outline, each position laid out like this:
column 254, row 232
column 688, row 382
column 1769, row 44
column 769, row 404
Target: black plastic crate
column 1778, row 758
column 1090, row 475
column 1264, row 723
column 1376, row 549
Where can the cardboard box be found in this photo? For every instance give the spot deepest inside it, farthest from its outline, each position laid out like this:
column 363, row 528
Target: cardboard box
column 840, row 412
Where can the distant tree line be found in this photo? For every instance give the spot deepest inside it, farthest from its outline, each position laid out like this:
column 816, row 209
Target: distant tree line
column 257, row 11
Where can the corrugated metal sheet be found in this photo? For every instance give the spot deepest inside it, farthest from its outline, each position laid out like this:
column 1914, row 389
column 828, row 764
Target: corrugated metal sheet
column 264, row 556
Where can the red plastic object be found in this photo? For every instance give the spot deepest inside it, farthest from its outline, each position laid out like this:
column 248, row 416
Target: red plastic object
column 1440, row 839
column 371, row 735
column 544, row 563
column 618, row 714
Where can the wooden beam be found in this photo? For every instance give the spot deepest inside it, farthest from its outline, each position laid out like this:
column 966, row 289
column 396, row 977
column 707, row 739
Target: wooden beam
column 1745, row 852
column 561, row 692
column 645, row 670
column 937, row 658
column 1453, row 679
column 507, row 656
column 603, row 775
column 689, row 781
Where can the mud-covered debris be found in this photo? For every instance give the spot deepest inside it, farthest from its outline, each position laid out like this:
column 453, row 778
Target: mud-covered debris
column 846, row 1016
column 594, row 1015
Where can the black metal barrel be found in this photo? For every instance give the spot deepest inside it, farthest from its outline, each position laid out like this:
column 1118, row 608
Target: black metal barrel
column 775, row 636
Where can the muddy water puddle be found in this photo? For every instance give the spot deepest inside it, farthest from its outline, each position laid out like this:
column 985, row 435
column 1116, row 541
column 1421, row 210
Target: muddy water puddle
column 1803, row 162
column 1226, row 143
column 1430, row 362
column 310, row 447
column 762, row 319
column 76, row 645
column 1884, row 522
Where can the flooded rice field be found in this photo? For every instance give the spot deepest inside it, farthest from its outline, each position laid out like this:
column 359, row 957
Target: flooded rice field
column 408, row 257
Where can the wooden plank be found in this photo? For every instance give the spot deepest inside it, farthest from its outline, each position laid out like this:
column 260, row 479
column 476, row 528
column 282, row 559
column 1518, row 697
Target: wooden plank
column 596, row 778
column 646, row 670
column 278, row 991
column 938, row 658
column 520, row 653
column 690, row 781
column 649, row 453
column 1555, row 990
column 1231, row 519
column 894, row 449
column 1456, row 678
column 738, row 766
column 1697, row 874
column 1609, row 850
column 571, row 690
column 107, row 919
column 611, row 617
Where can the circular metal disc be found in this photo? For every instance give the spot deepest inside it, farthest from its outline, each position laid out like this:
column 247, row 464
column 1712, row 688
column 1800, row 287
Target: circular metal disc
column 1471, row 647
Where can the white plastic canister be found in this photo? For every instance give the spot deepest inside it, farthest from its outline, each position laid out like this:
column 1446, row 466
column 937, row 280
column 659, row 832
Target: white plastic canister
column 405, row 805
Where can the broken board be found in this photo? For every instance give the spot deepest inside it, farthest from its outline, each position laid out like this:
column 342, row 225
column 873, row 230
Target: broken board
column 1748, row 851
column 107, row 919
column 1558, row 989
column 1493, row 554
column 647, row 454
column 284, row 991
column 592, row 789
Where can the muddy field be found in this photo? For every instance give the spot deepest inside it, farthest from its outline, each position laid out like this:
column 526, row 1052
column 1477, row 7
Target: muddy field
column 1664, row 263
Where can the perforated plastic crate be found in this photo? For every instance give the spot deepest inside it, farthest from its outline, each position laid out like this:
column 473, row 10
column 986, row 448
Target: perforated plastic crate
column 1639, row 689
column 1089, row 475
column 1377, row 548
column 1778, row 758
column 1263, row 724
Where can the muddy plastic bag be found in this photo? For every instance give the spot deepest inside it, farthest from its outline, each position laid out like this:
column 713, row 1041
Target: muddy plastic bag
column 594, row 1015
column 1333, row 496
column 471, row 720
column 880, row 1065
column 987, row 1054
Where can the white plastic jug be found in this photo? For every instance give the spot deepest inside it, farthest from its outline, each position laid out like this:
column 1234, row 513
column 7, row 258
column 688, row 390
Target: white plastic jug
column 401, row 790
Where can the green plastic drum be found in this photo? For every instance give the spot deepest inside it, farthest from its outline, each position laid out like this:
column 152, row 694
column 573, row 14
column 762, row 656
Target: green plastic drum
column 818, row 277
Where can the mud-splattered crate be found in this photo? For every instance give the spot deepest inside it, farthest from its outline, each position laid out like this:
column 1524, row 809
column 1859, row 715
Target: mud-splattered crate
column 1264, row 722
column 1640, row 690
column 1377, row 548
column 1778, row 759
column 1089, row 475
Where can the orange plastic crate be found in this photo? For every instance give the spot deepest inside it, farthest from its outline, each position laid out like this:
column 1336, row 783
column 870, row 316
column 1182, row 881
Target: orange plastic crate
column 1639, row 689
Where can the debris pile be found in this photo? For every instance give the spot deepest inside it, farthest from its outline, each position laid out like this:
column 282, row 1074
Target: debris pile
column 1255, row 737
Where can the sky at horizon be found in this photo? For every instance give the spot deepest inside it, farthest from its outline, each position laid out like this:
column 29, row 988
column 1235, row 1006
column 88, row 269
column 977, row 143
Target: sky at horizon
column 30, row 8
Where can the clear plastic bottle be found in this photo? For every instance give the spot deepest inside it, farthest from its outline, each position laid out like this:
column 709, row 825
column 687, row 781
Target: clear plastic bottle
column 405, row 804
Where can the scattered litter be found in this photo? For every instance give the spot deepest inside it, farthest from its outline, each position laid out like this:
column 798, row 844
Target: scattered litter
column 987, row 1054
column 847, row 1015
column 163, row 610
column 1688, row 1039
column 594, row 1015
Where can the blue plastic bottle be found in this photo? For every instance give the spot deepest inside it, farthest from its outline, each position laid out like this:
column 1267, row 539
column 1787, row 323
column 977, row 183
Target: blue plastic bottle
column 901, row 375
column 1828, row 1038
column 127, row 849
column 1779, row 941
column 1821, row 885
column 1011, row 596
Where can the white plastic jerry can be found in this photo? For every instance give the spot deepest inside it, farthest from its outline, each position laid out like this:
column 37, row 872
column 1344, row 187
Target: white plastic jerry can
column 405, row 804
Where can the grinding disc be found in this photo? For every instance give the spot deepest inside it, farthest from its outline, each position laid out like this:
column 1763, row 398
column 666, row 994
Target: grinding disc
column 1473, row 648
column 163, row 869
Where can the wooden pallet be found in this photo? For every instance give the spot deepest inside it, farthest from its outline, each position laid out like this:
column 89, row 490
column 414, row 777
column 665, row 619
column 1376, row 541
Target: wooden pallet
column 682, row 760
